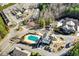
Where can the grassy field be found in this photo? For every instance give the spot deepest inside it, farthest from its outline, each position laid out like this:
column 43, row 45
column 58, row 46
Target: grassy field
column 3, row 29
column 5, row 6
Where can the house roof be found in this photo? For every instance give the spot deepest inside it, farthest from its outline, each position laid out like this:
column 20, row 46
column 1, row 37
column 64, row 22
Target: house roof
column 46, row 41
column 71, row 23
column 59, row 24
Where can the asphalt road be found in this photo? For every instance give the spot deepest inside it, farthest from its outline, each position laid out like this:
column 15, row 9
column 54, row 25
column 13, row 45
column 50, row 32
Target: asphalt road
column 6, row 44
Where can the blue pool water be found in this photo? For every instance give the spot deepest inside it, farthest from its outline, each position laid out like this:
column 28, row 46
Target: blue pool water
column 33, row 37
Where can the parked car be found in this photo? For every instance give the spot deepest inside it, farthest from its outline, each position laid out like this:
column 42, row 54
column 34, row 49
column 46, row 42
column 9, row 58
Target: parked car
column 47, row 48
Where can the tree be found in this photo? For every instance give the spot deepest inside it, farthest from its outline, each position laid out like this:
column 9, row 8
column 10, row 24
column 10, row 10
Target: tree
column 74, row 51
column 73, row 10
column 48, row 21
column 44, row 22
column 43, row 6
column 35, row 54
column 41, row 22
column 24, row 22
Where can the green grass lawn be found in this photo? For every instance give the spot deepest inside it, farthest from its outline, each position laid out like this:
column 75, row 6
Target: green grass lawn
column 5, row 6
column 3, row 29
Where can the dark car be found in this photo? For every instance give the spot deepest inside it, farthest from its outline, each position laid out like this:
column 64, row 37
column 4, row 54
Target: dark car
column 47, row 48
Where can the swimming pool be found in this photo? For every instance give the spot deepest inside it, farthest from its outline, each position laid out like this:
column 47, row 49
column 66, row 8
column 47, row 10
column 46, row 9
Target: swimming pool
column 32, row 38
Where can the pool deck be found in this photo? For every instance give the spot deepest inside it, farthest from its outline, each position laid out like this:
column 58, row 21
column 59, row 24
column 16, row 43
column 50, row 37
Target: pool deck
column 30, row 41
